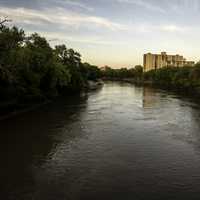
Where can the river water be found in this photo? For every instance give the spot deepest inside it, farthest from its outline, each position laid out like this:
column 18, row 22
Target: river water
column 119, row 142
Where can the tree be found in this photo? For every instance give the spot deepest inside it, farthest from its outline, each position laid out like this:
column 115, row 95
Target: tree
column 138, row 71
column 68, row 56
column 72, row 61
column 11, row 39
column 3, row 21
column 30, row 69
column 90, row 72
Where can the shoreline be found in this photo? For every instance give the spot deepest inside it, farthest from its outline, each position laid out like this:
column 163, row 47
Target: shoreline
column 92, row 85
column 95, row 85
column 192, row 92
column 26, row 108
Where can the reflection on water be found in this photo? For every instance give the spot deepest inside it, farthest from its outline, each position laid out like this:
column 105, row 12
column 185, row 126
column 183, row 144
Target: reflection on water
column 149, row 97
column 120, row 142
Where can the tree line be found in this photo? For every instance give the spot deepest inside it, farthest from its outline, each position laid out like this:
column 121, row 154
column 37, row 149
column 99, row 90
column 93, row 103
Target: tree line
column 31, row 70
column 122, row 73
column 185, row 78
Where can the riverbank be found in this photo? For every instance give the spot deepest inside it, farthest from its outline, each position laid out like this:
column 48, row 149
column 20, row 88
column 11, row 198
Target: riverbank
column 94, row 85
column 34, row 73
column 192, row 92
column 128, row 80
column 13, row 108
column 184, row 80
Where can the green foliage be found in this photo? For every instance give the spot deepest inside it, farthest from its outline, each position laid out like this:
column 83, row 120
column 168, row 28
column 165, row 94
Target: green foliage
column 90, row 72
column 175, row 77
column 72, row 61
column 123, row 73
column 31, row 69
column 195, row 74
column 186, row 78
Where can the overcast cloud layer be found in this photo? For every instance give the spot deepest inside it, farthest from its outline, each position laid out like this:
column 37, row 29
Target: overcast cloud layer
column 112, row 32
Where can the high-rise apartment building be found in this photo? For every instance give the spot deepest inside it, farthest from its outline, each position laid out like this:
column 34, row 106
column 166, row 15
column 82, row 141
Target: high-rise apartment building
column 156, row 61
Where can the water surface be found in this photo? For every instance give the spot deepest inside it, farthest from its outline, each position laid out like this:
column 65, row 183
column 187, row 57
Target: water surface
column 120, row 142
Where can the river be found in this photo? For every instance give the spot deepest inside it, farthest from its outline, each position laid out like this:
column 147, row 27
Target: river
column 119, row 142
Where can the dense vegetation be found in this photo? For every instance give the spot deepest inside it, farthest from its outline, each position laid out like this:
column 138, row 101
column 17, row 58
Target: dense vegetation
column 123, row 73
column 31, row 70
column 185, row 79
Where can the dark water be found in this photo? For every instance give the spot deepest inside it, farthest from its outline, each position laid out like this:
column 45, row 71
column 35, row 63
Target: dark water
column 120, row 142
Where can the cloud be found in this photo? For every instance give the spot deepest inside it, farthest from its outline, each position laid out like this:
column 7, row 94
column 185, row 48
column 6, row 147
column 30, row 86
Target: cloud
column 56, row 37
column 57, row 16
column 172, row 28
column 25, row 15
column 75, row 4
column 144, row 4
column 63, row 19
column 184, row 7
column 148, row 28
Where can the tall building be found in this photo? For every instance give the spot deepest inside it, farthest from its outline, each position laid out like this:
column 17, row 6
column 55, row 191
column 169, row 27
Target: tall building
column 156, row 61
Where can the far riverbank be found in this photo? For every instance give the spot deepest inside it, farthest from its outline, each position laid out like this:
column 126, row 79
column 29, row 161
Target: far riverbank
column 185, row 80
column 191, row 92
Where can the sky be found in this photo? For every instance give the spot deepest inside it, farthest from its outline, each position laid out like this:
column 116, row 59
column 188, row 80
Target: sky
column 112, row 32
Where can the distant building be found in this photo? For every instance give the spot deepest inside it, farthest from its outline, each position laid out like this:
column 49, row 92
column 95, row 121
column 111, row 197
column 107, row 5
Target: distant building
column 156, row 61
column 103, row 68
